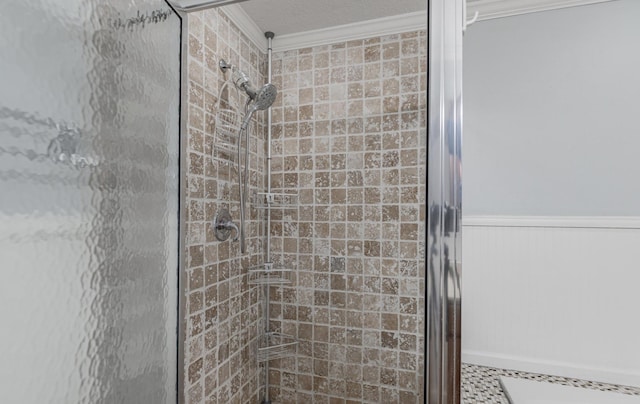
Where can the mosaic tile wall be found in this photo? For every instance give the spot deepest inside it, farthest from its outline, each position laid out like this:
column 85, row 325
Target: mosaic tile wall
column 223, row 310
column 349, row 139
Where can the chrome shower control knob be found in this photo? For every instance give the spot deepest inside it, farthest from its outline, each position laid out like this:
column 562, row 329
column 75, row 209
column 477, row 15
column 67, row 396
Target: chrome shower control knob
column 223, row 225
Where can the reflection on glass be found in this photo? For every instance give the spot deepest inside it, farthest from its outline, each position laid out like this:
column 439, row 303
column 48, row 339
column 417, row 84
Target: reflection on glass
column 88, row 201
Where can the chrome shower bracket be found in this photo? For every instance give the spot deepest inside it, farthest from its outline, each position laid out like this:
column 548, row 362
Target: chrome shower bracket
column 224, row 66
column 223, row 225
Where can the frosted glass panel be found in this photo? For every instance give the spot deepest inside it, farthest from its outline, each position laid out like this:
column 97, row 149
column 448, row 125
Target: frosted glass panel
column 89, row 103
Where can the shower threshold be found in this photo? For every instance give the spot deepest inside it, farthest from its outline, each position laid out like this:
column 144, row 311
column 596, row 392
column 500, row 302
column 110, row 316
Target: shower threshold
column 522, row 391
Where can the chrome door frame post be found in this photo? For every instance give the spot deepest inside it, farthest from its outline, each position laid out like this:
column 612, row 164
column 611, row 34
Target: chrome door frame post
column 181, row 394
column 444, row 202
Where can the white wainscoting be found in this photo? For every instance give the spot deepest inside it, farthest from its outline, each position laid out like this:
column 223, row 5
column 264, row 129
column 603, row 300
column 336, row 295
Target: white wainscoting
column 555, row 295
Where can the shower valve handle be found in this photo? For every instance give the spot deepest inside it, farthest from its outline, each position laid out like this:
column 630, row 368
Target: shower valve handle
column 223, row 225
column 230, row 226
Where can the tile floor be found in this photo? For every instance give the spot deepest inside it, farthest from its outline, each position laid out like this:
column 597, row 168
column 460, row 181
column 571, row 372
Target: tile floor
column 482, row 385
column 523, row 391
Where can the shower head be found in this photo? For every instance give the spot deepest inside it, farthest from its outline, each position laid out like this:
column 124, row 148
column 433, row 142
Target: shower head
column 258, row 99
column 265, row 97
column 241, row 81
column 261, row 100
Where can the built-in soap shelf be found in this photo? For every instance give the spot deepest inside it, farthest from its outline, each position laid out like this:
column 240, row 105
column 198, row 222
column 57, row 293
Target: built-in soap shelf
column 274, row 345
column 268, row 274
column 275, row 200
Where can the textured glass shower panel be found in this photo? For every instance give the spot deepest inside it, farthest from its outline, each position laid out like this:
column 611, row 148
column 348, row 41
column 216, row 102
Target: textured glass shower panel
column 89, row 106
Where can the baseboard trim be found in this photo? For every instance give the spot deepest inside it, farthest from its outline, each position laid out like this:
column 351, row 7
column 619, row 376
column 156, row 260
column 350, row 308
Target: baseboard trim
column 603, row 375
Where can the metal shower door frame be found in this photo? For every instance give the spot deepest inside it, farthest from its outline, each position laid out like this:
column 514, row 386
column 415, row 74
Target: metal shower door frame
column 181, row 394
column 444, row 202
column 443, row 236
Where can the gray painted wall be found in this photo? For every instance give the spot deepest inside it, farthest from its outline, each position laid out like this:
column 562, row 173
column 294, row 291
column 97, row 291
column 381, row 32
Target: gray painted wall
column 551, row 102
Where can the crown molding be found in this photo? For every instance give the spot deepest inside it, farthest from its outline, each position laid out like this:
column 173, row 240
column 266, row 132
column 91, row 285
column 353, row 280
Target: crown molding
column 489, row 9
column 359, row 30
column 246, row 25
column 576, row 222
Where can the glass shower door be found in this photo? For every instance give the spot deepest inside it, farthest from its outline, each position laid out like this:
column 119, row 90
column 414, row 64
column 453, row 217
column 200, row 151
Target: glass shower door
column 89, row 122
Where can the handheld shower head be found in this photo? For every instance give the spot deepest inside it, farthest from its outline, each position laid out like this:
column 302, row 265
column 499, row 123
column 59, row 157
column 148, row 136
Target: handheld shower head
column 258, row 100
column 262, row 100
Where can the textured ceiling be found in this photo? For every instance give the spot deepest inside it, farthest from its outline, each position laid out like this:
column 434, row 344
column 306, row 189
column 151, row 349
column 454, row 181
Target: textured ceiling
column 291, row 16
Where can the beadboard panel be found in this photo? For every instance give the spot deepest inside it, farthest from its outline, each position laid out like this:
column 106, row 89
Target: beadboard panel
column 552, row 299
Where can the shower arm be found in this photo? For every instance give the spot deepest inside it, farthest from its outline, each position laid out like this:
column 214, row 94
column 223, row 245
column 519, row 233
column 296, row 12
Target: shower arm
column 224, row 66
